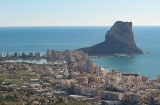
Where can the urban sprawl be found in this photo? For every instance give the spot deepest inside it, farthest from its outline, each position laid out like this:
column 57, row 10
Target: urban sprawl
column 75, row 78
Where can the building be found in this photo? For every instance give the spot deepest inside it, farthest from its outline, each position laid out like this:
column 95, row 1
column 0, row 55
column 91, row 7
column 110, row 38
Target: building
column 81, row 64
column 85, row 56
column 158, row 78
column 98, row 69
column 44, row 66
column 8, row 55
column 53, row 54
column 18, row 55
column 114, row 96
column 35, row 67
column 23, row 55
column 89, row 66
column 58, row 55
column 15, row 54
column 48, row 54
column 131, row 98
column 30, row 54
column 1, row 55
column 144, row 78
column 37, row 54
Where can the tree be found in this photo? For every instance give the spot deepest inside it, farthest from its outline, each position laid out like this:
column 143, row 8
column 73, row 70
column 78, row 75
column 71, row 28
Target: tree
column 1, row 101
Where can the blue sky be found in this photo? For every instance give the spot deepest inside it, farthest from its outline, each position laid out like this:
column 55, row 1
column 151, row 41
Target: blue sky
column 78, row 12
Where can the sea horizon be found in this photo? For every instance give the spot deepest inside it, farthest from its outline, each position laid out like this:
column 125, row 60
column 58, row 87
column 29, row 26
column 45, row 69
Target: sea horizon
column 81, row 26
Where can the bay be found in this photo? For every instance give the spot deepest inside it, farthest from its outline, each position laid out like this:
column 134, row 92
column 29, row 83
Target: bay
column 39, row 39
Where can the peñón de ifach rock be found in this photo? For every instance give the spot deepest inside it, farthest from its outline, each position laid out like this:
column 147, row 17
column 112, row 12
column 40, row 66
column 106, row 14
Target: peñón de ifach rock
column 118, row 40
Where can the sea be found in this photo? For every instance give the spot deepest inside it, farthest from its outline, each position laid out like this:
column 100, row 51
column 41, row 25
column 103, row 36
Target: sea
column 60, row 38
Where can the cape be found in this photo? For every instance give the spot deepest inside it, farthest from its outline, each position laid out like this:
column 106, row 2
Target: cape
column 118, row 40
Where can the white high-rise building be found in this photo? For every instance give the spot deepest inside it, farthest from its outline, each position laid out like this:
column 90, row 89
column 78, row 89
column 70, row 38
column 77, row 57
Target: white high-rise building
column 158, row 78
column 35, row 67
column 48, row 54
column 8, row 55
column 1, row 55
column 30, row 54
column 15, row 54
column 85, row 56
column 98, row 69
column 44, row 66
column 53, row 54
column 88, row 66
column 37, row 54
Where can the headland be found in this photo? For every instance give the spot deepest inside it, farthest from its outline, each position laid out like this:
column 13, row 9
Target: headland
column 118, row 40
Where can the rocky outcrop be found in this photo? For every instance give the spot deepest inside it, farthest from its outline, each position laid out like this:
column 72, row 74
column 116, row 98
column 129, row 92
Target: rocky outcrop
column 118, row 40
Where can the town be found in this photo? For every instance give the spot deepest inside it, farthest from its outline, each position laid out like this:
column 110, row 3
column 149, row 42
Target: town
column 75, row 79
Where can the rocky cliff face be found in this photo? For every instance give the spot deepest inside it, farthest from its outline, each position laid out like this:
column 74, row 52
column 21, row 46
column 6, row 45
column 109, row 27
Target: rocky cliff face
column 118, row 40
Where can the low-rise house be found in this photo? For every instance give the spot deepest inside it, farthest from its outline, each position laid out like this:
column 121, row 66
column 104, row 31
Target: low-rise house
column 34, row 80
column 145, row 99
column 77, row 97
column 36, row 86
column 114, row 96
column 59, row 93
column 131, row 98
column 85, row 91
column 43, row 90
column 89, row 100
column 77, row 90
column 59, row 77
column 93, row 93
column 112, row 102
column 157, row 101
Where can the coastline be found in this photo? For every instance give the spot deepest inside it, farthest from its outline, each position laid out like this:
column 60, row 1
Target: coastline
column 112, row 55
column 80, row 75
column 107, row 57
column 104, row 69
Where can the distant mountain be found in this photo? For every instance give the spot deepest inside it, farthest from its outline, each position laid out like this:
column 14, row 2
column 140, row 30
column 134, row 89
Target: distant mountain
column 118, row 40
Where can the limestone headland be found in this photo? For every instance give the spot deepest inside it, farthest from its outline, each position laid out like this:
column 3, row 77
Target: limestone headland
column 118, row 40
